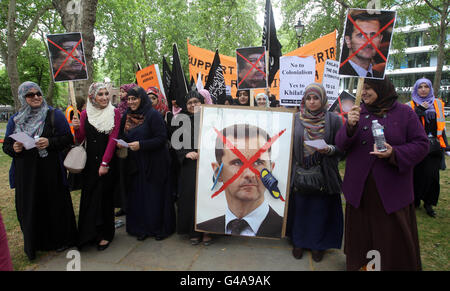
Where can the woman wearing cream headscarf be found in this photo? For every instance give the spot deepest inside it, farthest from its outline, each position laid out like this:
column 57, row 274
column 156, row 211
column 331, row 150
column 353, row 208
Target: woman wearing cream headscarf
column 262, row 100
column 99, row 125
column 43, row 202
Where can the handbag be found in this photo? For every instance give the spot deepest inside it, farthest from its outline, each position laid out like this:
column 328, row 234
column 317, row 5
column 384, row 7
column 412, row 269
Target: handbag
column 75, row 160
column 309, row 181
column 122, row 153
column 435, row 145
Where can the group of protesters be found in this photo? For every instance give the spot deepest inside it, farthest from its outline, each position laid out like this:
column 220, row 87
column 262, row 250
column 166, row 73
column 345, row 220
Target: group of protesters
column 154, row 184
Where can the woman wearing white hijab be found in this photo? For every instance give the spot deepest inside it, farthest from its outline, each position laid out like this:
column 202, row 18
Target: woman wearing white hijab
column 99, row 125
column 43, row 202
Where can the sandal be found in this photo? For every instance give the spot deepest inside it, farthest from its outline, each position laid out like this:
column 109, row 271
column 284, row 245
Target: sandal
column 208, row 241
column 195, row 241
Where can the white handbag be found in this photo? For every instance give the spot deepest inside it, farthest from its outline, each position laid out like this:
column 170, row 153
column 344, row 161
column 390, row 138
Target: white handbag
column 75, row 160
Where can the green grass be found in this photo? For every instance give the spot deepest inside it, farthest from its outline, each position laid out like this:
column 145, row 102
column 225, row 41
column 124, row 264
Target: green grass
column 433, row 233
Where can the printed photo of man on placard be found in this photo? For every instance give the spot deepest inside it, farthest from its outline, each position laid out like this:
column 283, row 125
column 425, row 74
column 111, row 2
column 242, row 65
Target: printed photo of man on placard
column 251, row 68
column 367, row 38
column 343, row 104
column 249, row 188
column 67, row 57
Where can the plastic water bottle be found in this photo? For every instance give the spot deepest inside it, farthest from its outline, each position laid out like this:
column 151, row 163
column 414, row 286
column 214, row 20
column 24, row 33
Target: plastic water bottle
column 378, row 136
column 42, row 153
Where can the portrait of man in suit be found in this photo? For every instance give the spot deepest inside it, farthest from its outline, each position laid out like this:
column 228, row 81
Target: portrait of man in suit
column 248, row 213
column 367, row 62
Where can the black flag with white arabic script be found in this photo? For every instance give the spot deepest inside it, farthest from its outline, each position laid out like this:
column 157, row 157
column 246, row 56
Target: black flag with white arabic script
column 271, row 43
column 215, row 83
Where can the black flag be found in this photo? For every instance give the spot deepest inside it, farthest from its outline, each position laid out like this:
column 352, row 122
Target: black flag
column 216, row 82
column 270, row 41
column 166, row 80
column 178, row 88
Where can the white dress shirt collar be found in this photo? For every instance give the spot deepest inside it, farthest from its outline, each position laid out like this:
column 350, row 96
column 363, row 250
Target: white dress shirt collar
column 254, row 219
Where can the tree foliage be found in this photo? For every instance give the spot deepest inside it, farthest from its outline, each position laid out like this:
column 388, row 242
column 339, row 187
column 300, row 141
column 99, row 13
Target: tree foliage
column 144, row 31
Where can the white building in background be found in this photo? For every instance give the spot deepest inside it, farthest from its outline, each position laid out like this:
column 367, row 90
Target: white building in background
column 420, row 61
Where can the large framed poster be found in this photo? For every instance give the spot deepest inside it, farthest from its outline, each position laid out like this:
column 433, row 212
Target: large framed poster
column 244, row 170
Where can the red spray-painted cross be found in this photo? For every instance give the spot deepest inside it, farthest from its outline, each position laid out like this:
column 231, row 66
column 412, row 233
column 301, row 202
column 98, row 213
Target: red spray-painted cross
column 369, row 40
column 68, row 55
column 253, row 66
column 246, row 163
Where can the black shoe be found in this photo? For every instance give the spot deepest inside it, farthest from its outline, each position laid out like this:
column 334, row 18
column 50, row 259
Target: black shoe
column 62, row 249
column 32, row 257
column 142, row 237
column 160, row 237
column 430, row 210
column 297, row 253
column 120, row 213
column 103, row 247
column 317, row 255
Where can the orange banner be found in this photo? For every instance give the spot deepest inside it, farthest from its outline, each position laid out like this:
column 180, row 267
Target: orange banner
column 150, row 77
column 200, row 60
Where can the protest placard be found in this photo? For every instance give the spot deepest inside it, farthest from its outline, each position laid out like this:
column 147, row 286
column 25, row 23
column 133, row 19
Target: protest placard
column 296, row 73
column 200, row 60
column 259, row 142
column 67, row 57
column 330, row 80
column 251, row 68
column 367, row 39
column 150, row 77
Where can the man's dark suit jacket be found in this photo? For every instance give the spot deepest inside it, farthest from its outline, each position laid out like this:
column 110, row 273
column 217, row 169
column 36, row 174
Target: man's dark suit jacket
column 347, row 69
column 270, row 227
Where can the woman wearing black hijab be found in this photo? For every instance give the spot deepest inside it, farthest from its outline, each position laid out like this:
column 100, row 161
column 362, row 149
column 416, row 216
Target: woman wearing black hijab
column 242, row 98
column 187, row 158
column 150, row 209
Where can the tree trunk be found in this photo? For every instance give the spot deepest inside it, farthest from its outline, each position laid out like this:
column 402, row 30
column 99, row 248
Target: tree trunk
column 12, row 53
column 142, row 38
column 51, row 86
column 340, row 31
column 13, row 46
column 83, row 22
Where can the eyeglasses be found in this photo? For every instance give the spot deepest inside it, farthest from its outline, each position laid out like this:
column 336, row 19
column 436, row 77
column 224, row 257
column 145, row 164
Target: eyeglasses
column 31, row 94
column 132, row 98
column 101, row 94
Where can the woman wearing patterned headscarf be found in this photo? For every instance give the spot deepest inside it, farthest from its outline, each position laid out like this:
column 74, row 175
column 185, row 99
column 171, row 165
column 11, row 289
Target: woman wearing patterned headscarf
column 99, row 126
column 43, row 202
column 430, row 111
column 158, row 100
column 123, row 97
column 315, row 217
column 378, row 186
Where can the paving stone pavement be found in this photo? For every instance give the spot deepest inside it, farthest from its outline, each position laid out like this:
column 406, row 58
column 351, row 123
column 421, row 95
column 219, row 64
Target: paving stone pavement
column 175, row 253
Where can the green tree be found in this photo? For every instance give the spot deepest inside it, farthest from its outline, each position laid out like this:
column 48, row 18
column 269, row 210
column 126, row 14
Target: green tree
column 143, row 31
column 17, row 22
